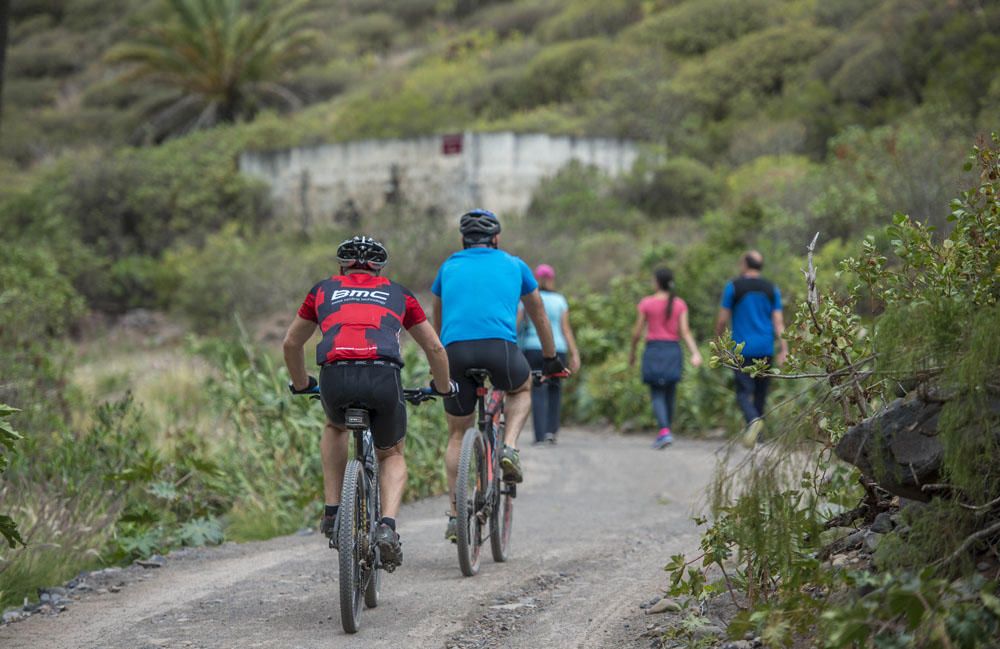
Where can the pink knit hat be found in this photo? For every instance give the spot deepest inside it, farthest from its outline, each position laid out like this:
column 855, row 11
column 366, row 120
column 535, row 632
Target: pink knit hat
column 543, row 271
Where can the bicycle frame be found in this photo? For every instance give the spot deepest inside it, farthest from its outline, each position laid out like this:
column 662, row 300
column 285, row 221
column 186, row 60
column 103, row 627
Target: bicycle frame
column 490, row 408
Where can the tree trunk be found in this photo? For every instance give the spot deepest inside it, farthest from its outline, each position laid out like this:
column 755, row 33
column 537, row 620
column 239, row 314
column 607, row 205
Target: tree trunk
column 4, row 22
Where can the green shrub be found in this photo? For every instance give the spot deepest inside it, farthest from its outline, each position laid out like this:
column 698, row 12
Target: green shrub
column 587, row 18
column 374, row 32
column 30, row 93
column 758, row 64
column 678, row 186
column 522, row 17
column 55, row 53
column 558, row 74
column 697, row 27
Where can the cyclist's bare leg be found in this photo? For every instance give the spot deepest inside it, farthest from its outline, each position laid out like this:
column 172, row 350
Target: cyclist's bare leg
column 456, row 431
column 333, row 453
column 392, row 477
column 516, row 408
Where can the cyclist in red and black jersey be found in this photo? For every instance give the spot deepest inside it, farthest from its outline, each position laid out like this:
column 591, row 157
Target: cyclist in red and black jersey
column 361, row 315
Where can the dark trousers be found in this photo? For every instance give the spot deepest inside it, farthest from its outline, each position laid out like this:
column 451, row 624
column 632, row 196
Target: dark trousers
column 751, row 393
column 546, row 399
column 663, row 398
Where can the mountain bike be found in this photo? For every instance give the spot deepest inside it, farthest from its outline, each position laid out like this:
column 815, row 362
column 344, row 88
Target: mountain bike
column 483, row 500
column 360, row 514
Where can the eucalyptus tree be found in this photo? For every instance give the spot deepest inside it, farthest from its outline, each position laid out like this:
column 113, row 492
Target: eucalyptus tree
column 217, row 60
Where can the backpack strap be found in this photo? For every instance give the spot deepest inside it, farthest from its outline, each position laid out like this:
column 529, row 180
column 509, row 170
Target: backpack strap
column 744, row 285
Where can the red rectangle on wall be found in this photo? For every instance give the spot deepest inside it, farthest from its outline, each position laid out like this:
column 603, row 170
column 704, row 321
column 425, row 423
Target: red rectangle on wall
column 451, row 144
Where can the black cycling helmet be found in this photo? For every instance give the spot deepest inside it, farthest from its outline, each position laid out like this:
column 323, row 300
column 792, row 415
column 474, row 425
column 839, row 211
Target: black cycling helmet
column 479, row 226
column 362, row 252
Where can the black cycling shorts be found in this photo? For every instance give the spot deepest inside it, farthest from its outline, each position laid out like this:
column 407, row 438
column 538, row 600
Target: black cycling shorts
column 377, row 388
column 501, row 358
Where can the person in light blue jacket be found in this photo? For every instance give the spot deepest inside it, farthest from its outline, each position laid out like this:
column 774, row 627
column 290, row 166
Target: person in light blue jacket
column 546, row 398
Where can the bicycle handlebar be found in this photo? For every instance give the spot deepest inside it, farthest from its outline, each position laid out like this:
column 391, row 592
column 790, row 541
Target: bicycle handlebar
column 538, row 377
column 416, row 396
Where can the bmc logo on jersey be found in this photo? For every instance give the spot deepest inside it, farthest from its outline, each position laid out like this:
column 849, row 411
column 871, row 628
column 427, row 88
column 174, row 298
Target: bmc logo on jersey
column 344, row 293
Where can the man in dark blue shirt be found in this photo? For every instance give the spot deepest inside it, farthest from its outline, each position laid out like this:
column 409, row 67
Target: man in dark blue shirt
column 753, row 305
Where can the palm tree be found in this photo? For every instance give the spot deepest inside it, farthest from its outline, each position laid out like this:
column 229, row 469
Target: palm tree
column 220, row 62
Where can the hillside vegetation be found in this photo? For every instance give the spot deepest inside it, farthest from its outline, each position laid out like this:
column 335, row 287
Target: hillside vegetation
column 762, row 122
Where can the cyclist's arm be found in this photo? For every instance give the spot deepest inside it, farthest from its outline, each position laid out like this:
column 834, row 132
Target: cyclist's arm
column 428, row 340
column 689, row 340
column 298, row 334
column 640, row 326
column 437, row 315
column 574, row 353
column 535, row 309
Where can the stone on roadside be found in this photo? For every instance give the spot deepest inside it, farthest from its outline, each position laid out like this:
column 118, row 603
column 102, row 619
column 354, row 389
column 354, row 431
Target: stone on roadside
column 882, row 524
column 708, row 631
column 738, row 644
column 665, row 605
column 827, row 537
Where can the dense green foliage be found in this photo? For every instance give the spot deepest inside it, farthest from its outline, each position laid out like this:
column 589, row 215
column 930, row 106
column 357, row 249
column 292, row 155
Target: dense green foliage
column 937, row 331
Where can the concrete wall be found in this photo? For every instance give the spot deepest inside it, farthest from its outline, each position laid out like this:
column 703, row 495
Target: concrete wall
column 445, row 174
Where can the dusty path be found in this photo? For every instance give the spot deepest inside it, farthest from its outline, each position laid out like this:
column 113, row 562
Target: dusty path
column 596, row 519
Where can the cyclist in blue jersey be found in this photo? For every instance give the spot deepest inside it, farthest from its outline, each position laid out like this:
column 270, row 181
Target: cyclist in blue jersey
column 476, row 294
column 753, row 305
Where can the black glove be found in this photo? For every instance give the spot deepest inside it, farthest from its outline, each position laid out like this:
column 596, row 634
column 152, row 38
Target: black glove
column 306, row 390
column 452, row 387
column 552, row 366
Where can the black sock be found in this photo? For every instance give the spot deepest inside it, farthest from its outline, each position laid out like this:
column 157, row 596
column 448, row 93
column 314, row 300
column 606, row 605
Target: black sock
column 331, row 510
column 391, row 522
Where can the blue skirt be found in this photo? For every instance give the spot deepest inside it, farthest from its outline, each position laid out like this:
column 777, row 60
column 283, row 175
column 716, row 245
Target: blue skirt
column 662, row 362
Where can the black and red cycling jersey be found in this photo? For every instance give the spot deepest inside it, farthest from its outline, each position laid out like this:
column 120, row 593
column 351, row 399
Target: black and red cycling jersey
column 360, row 316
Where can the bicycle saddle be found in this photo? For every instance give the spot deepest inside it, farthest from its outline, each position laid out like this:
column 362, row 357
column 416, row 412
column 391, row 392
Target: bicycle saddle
column 355, row 418
column 478, row 374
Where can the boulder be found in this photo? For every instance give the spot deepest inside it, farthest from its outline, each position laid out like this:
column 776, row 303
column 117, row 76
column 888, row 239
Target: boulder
column 898, row 447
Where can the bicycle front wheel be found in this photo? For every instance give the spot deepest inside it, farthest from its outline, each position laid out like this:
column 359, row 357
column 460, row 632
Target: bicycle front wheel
column 501, row 520
column 352, row 545
column 469, row 489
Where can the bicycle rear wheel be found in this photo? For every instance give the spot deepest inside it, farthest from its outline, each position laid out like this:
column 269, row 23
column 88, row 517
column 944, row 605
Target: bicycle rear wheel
column 468, row 500
column 353, row 545
column 501, row 520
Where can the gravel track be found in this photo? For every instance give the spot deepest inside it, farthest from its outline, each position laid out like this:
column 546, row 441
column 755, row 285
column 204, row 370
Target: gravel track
column 596, row 519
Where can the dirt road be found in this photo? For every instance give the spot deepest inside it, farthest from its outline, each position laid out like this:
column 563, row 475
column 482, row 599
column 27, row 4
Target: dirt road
column 594, row 522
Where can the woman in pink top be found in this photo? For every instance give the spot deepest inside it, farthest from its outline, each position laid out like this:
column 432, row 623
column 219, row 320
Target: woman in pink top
column 664, row 318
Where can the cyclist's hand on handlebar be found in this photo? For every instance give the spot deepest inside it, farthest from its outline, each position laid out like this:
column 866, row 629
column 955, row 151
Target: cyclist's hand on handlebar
column 311, row 388
column 452, row 389
column 554, row 367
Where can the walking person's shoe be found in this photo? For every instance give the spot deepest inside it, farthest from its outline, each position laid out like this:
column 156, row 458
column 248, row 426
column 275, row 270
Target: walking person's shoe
column 752, row 433
column 451, row 533
column 510, row 462
column 664, row 439
column 389, row 547
column 550, row 438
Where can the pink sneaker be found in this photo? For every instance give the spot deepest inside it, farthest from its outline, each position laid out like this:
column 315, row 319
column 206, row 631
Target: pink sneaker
column 664, row 439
